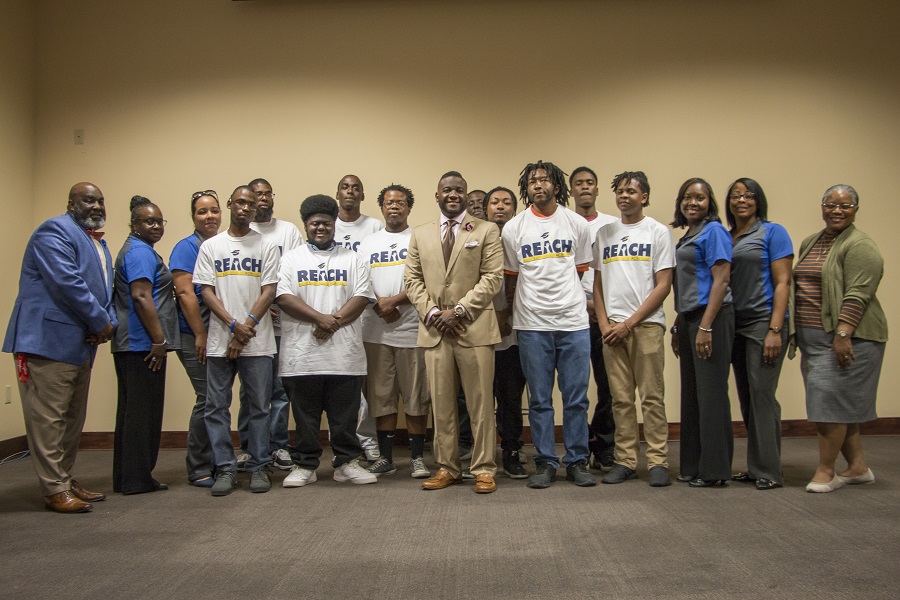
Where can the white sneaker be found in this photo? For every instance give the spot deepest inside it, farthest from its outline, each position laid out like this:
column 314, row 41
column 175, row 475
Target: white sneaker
column 298, row 477
column 281, row 459
column 419, row 470
column 372, row 454
column 354, row 473
column 242, row 459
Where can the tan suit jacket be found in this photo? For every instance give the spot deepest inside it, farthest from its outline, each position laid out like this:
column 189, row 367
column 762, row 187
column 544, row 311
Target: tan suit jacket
column 473, row 277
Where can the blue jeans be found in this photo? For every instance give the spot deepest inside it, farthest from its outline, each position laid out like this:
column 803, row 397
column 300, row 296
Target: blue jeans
column 542, row 354
column 256, row 379
column 279, row 408
column 199, row 452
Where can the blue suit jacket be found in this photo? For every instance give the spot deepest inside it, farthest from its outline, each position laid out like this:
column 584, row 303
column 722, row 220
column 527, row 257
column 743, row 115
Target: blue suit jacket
column 62, row 294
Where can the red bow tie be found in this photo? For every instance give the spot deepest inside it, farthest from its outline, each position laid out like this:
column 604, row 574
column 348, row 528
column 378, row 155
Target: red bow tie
column 97, row 235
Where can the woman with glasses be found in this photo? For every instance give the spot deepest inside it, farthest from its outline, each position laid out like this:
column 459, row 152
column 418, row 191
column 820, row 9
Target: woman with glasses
column 193, row 322
column 760, row 283
column 841, row 331
column 703, row 335
column 148, row 329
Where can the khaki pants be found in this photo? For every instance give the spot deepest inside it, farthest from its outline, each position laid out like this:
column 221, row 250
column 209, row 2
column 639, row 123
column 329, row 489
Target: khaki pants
column 638, row 363
column 54, row 404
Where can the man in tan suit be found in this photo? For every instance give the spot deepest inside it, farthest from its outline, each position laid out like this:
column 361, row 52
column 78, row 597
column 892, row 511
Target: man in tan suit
column 453, row 271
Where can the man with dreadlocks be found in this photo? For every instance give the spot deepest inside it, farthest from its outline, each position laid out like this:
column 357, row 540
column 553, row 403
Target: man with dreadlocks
column 547, row 248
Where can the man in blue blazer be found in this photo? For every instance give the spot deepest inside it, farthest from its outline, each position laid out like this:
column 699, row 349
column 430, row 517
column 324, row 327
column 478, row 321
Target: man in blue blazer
column 63, row 311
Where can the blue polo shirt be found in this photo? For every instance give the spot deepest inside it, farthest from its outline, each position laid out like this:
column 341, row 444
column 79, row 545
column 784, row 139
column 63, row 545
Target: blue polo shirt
column 751, row 270
column 183, row 258
column 695, row 254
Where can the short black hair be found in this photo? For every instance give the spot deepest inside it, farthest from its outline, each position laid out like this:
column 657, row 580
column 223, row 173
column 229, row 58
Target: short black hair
column 762, row 205
column 451, row 174
column 477, row 192
column 500, row 188
column 396, row 187
column 557, row 176
column 242, row 187
column 259, row 180
column 581, row 170
column 639, row 176
column 318, row 204
column 713, row 215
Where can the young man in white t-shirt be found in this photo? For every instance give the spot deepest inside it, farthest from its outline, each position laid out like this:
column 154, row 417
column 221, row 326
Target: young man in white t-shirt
column 396, row 367
column 237, row 271
column 602, row 428
column 350, row 229
column 547, row 248
column 633, row 262
column 285, row 236
column 322, row 290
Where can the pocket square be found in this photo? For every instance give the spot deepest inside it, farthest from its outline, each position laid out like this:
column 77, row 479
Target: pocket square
column 473, row 244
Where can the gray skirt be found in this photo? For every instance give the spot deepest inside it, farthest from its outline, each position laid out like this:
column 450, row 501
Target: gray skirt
column 835, row 395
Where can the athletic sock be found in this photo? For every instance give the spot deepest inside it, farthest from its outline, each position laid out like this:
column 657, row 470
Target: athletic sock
column 416, row 445
column 386, row 444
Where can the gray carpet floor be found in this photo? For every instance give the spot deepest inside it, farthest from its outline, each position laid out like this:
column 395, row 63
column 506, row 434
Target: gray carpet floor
column 392, row 540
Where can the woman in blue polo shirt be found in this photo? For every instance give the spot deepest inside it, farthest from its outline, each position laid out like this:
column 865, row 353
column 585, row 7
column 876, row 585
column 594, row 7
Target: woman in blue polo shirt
column 148, row 328
column 703, row 335
column 193, row 322
column 761, row 284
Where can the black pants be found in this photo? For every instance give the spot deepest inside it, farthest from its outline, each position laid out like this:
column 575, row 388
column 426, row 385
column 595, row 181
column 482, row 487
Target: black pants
column 509, row 384
column 138, row 422
column 602, row 429
column 338, row 396
column 707, row 439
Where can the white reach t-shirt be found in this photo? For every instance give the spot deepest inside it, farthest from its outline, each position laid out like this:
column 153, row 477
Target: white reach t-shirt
column 325, row 280
column 627, row 257
column 545, row 252
column 349, row 234
column 594, row 225
column 286, row 236
column 385, row 252
column 238, row 267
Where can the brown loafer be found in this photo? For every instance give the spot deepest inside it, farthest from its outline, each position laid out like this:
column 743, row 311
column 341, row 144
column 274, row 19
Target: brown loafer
column 66, row 502
column 484, row 483
column 441, row 479
column 85, row 495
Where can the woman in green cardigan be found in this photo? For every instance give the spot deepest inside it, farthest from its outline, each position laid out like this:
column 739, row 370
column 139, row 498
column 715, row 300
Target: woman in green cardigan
column 841, row 331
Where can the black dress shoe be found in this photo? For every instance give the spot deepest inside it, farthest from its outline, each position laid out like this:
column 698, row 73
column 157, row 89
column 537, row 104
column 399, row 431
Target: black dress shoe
column 742, row 477
column 701, row 483
column 685, row 478
column 767, row 484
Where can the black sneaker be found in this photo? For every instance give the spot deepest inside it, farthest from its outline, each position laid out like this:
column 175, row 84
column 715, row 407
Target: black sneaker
column 543, row 477
column 512, row 465
column 659, row 476
column 604, row 460
column 579, row 474
column 618, row 474
column 260, row 482
column 224, row 485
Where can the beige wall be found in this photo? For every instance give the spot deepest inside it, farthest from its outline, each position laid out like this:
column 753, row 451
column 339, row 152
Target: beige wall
column 17, row 69
column 177, row 96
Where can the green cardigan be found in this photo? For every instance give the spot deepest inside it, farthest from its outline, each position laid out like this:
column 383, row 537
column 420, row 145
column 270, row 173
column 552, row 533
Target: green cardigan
column 853, row 269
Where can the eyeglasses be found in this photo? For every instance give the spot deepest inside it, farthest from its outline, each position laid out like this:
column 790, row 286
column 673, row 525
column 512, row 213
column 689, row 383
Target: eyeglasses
column 212, row 193
column 397, row 203
column 748, row 196
column 265, row 195
column 152, row 222
column 842, row 206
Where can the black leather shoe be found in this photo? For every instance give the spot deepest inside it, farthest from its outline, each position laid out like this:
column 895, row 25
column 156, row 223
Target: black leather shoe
column 685, row 478
column 742, row 477
column 701, row 483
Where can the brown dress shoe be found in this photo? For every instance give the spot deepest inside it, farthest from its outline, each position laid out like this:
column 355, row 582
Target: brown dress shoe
column 66, row 502
column 484, row 483
column 441, row 479
column 85, row 495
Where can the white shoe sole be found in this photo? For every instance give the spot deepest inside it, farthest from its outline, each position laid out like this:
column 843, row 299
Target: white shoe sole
column 356, row 480
column 867, row 479
column 824, row 488
column 420, row 474
column 296, row 484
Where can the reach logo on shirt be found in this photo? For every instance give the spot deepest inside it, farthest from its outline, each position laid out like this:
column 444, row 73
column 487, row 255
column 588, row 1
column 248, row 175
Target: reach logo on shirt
column 247, row 267
column 546, row 248
column 346, row 243
column 322, row 276
column 388, row 258
column 625, row 251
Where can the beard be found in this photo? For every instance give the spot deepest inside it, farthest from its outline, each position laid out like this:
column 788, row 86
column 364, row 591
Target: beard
column 89, row 223
column 264, row 214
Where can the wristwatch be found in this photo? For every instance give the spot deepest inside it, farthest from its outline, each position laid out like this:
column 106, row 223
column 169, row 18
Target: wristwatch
column 841, row 332
column 775, row 329
column 459, row 311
